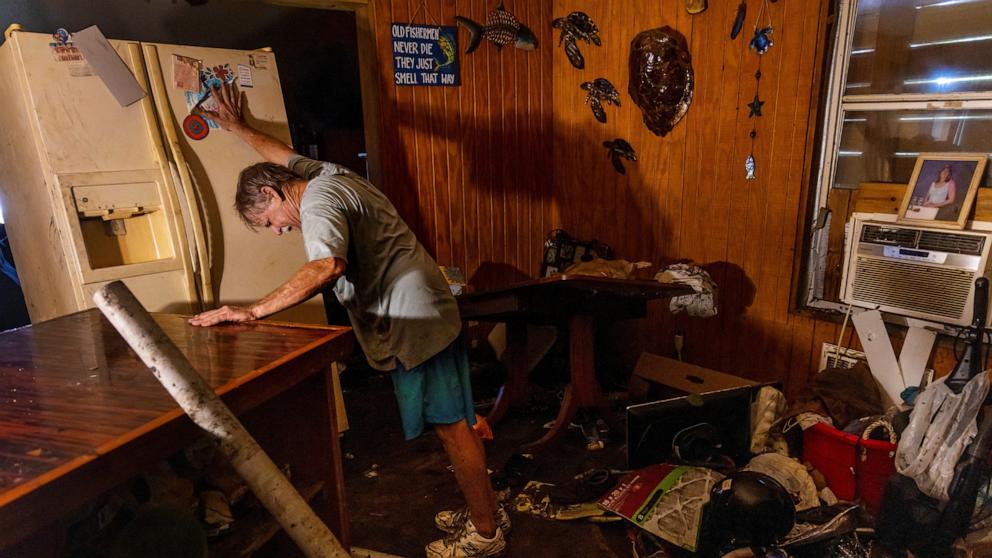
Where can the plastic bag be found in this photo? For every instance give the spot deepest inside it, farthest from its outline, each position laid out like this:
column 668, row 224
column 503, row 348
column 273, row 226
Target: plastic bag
column 766, row 410
column 940, row 428
column 702, row 303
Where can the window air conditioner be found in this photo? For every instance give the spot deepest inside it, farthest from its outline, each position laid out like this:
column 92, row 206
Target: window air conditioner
column 914, row 271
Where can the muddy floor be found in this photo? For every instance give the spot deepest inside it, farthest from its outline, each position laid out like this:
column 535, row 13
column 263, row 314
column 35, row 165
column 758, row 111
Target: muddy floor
column 395, row 487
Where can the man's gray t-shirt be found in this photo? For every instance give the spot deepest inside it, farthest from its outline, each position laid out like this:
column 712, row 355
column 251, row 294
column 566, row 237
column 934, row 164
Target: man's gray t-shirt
column 398, row 301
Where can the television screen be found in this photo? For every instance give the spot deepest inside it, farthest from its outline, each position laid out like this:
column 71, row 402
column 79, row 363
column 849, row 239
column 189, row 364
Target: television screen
column 652, row 426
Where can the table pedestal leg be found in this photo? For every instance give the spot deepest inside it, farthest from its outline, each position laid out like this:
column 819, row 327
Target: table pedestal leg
column 569, row 407
column 515, row 388
column 583, row 390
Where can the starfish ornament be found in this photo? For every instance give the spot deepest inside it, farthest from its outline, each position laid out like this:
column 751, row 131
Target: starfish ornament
column 755, row 106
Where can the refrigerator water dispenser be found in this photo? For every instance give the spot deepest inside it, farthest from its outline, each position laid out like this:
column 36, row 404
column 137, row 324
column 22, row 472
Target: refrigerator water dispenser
column 122, row 224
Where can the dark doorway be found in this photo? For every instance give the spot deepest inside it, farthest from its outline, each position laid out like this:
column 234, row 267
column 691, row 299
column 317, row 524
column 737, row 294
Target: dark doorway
column 13, row 311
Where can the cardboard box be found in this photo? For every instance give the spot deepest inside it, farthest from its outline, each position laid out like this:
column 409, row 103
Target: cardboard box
column 655, row 374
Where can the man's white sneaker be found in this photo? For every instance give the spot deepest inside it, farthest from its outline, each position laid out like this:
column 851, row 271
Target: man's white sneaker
column 452, row 521
column 468, row 543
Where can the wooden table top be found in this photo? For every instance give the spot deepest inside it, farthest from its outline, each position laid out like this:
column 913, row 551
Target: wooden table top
column 71, row 390
column 563, row 295
column 635, row 288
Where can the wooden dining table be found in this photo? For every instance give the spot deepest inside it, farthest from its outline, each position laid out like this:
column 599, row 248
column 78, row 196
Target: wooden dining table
column 80, row 414
column 574, row 303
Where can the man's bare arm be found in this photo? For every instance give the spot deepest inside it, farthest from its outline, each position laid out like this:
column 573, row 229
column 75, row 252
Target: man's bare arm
column 310, row 279
column 230, row 117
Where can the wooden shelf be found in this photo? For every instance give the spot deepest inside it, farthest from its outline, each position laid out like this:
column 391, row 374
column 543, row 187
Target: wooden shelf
column 878, row 197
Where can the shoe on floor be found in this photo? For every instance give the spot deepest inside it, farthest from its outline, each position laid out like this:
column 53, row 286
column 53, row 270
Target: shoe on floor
column 452, row 521
column 468, row 543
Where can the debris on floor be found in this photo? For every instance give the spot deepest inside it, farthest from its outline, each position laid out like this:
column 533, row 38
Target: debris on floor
column 373, row 471
column 535, row 499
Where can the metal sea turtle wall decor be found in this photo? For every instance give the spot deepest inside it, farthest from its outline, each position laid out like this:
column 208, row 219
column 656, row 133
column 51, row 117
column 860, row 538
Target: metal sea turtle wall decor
column 599, row 92
column 576, row 26
column 661, row 77
column 618, row 149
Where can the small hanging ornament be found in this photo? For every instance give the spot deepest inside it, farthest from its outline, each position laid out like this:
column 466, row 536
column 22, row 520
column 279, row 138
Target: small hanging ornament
column 761, row 41
column 755, row 106
column 749, row 163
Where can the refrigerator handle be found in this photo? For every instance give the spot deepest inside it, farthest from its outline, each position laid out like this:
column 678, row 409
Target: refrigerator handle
column 208, row 237
column 184, row 178
column 187, row 219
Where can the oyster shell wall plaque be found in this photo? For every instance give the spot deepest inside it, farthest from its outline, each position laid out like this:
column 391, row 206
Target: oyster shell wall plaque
column 661, row 79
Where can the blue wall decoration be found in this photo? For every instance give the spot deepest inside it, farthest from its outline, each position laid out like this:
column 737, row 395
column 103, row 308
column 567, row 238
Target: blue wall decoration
column 425, row 54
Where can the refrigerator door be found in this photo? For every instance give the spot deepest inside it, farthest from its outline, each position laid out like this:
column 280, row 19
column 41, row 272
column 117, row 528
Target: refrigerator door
column 244, row 265
column 107, row 189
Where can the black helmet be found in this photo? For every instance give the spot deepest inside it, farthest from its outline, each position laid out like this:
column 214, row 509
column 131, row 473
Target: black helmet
column 751, row 509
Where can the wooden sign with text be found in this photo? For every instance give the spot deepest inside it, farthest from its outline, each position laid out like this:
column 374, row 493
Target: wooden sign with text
column 425, row 54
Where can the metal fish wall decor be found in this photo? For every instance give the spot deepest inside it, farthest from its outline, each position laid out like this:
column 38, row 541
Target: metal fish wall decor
column 661, row 77
column 502, row 28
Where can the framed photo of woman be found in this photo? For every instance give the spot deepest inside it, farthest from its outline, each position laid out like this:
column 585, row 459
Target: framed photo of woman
column 942, row 189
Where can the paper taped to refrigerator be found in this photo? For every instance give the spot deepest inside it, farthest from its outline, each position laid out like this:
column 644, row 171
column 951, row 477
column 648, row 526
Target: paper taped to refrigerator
column 186, row 73
column 105, row 62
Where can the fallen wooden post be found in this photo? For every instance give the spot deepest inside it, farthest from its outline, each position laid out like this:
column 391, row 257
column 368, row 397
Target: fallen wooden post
column 199, row 401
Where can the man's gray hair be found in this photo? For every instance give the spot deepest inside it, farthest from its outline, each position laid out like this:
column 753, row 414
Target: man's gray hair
column 250, row 199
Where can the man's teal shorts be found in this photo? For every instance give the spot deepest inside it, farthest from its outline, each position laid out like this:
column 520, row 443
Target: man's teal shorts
column 436, row 392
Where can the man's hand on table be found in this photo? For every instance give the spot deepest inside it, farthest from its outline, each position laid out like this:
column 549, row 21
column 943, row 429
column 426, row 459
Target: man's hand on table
column 223, row 314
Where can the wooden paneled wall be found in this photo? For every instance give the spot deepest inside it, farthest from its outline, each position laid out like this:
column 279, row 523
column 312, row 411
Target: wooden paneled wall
column 470, row 167
column 483, row 171
column 687, row 196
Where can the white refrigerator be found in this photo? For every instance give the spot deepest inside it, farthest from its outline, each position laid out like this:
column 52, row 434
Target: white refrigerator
column 94, row 191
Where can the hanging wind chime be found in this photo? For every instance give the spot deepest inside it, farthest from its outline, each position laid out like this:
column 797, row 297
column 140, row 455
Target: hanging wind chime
column 760, row 43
